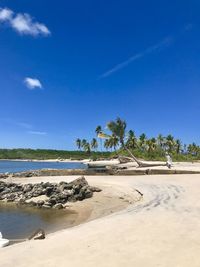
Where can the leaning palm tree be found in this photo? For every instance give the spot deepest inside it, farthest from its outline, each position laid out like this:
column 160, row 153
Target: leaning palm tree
column 118, row 129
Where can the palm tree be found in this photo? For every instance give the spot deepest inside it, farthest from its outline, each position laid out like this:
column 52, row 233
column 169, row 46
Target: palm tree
column 114, row 142
column 178, row 146
column 98, row 130
column 78, row 143
column 170, row 143
column 193, row 149
column 132, row 140
column 83, row 143
column 107, row 144
column 151, row 144
column 86, row 146
column 118, row 128
column 160, row 141
column 94, row 144
column 142, row 141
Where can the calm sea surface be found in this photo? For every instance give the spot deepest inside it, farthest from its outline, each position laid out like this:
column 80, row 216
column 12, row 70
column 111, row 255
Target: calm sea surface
column 19, row 166
column 16, row 222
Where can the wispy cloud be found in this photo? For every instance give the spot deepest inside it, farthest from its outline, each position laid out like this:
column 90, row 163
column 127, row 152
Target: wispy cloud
column 23, row 23
column 17, row 123
column 37, row 133
column 24, row 125
column 32, row 83
column 155, row 48
column 161, row 45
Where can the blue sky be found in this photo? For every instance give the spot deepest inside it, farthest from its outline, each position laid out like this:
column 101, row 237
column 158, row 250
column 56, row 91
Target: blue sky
column 68, row 66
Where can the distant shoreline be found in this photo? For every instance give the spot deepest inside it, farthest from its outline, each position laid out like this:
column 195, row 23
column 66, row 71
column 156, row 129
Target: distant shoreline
column 46, row 160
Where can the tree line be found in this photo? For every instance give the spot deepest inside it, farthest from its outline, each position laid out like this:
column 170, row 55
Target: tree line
column 119, row 139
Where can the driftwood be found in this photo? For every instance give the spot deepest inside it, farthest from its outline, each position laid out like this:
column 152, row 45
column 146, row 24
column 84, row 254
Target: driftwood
column 39, row 234
column 141, row 164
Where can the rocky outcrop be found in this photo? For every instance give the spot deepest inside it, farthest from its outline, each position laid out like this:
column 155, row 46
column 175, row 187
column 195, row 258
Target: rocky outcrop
column 47, row 195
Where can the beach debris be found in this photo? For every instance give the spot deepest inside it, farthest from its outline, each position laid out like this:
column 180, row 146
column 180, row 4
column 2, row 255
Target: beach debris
column 47, row 195
column 39, row 234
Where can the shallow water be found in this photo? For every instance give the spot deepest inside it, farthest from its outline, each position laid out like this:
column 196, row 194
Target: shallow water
column 22, row 222
column 19, row 166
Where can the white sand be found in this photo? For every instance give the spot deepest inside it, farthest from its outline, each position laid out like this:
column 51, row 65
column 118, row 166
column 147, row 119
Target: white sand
column 162, row 230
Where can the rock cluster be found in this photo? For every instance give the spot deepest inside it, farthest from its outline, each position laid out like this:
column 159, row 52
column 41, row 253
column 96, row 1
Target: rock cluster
column 47, row 195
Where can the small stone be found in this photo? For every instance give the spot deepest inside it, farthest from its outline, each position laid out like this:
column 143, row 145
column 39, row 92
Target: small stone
column 58, row 206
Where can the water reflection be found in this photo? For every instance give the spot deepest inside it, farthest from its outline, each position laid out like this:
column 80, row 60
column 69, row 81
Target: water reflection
column 20, row 222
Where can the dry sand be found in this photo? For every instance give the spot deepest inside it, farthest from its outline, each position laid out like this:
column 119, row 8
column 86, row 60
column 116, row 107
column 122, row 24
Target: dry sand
column 161, row 230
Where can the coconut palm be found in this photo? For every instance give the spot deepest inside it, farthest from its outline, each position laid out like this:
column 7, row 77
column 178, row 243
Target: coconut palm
column 94, row 144
column 107, row 144
column 114, row 142
column 151, row 144
column 170, row 143
column 83, row 143
column 178, row 146
column 118, row 128
column 142, row 141
column 132, row 140
column 78, row 143
column 86, row 147
column 193, row 149
column 98, row 130
column 160, row 141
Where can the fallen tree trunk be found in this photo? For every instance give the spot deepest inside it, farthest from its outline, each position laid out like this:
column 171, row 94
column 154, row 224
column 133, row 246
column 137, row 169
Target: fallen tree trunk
column 140, row 163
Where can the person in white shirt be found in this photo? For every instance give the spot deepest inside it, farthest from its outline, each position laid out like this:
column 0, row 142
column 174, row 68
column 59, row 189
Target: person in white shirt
column 169, row 160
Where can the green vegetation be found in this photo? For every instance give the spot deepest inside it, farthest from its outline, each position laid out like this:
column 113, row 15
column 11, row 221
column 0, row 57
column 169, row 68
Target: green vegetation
column 122, row 142
column 118, row 141
column 42, row 154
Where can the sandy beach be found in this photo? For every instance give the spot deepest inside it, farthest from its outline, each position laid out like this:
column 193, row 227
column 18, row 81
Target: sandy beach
column 160, row 230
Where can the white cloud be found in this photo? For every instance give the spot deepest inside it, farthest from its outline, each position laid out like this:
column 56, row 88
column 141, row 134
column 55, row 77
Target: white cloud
column 5, row 14
column 32, row 83
column 37, row 133
column 23, row 23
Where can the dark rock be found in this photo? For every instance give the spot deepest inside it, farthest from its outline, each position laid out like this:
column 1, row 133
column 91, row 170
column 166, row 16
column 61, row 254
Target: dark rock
column 40, row 203
column 49, row 190
column 58, row 206
column 95, row 189
column 57, row 194
column 27, row 188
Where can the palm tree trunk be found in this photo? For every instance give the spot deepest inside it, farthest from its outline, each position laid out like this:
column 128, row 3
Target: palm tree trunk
column 143, row 164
